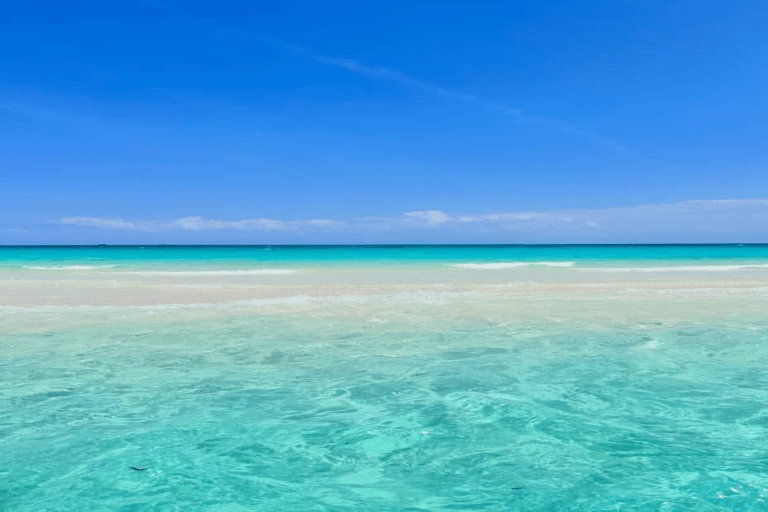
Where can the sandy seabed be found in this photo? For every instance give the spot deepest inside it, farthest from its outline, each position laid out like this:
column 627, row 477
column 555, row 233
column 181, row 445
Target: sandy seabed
column 34, row 300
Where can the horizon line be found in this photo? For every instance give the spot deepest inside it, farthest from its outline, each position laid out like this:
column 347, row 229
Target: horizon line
column 674, row 244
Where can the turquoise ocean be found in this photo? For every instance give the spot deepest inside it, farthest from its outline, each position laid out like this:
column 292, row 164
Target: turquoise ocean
column 384, row 378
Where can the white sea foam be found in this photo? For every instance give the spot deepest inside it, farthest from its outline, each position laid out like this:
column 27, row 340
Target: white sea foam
column 514, row 264
column 251, row 272
column 676, row 268
column 425, row 297
column 70, row 267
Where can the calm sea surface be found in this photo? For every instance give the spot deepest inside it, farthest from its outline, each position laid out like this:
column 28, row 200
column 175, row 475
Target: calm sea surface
column 384, row 378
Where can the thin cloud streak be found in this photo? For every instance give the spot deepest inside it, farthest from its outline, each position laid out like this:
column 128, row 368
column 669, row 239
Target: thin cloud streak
column 429, row 216
column 201, row 224
column 695, row 216
column 696, row 220
column 376, row 72
column 383, row 73
column 101, row 223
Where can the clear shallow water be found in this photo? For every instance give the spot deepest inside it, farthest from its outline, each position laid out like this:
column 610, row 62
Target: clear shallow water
column 310, row 413
column 218, row 258
column 250, row 414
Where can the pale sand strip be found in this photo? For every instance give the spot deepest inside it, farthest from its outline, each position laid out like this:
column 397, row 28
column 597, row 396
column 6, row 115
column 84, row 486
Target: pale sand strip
column 34, row 300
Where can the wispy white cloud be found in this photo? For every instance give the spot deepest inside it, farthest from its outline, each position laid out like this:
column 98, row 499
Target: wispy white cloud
column 100, row 223
column 391, row 75
column 201, row 224
column 697, row 220
column 526, row 221
column 684, row 218
column 502, row 217
column 379, row 72
column 428, row 216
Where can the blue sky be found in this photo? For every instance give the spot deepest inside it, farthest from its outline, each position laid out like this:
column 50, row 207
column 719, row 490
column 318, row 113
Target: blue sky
column 383, row 122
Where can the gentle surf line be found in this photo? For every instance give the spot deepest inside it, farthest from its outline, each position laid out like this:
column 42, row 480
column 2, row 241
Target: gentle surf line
column 294, row 300
column 70, row 267
column 675, row 268
column 513, row 264
column 263, row 271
